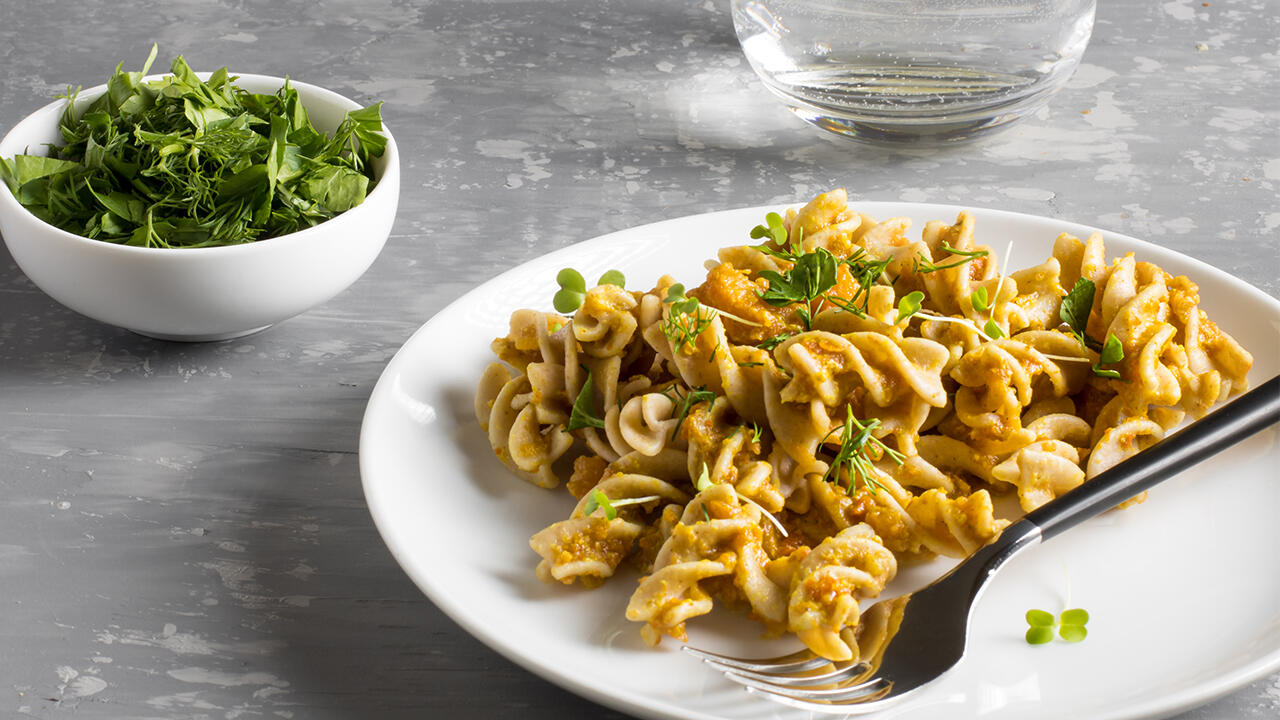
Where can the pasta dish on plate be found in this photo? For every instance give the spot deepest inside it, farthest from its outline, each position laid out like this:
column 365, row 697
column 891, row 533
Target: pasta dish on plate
column 837, row 398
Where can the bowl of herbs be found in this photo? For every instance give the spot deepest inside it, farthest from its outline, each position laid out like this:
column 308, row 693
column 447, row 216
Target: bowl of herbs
column 197, row 206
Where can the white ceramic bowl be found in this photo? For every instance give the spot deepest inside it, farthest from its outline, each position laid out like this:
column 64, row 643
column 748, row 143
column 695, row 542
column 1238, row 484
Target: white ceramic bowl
column 198, row 294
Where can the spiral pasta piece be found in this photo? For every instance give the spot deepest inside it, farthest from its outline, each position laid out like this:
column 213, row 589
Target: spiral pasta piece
column 828, row 583
column 589, row 547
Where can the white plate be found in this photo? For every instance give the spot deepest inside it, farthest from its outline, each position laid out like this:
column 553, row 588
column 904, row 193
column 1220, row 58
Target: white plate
column 1182, row 590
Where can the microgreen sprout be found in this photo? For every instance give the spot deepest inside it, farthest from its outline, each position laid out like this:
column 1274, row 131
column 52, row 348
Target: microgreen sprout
column 583, row 413
column 755, row 432
column 992, row 330
column 1070, row 626
column 704, row 479
column 909, row 305
column 855, row 439
column 774, row 230
column 598, row 500
column 573, row 288
column 979, row 299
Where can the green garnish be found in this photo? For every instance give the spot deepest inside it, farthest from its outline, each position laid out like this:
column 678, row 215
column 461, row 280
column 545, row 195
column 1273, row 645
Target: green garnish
column 182, row 162
column 598, row 499
column 1076, row 305
column 573, row 288
column 1070, row 626
column 979, row 299
column 755, row 432
column 685, row 321
column 1112, row 352
column 909, row 305
column 613, row 277
column 704, row 479
column 921, row 264
column 867, row 273
column 1075, row 309
column 685, row 402
column 855, row 438
column 772, row 229
column 583, row 413
column 993, row 330
column 811, row 275
column 774, row 341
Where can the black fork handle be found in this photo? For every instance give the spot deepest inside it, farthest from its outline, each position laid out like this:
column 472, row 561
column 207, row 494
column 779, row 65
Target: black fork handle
column 1242, row 417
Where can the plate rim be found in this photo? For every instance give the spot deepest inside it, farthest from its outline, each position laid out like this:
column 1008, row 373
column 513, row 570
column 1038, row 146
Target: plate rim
column 657, row 707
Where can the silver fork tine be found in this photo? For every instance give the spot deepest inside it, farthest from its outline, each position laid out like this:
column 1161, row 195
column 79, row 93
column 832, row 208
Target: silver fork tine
column 845, row 693
column 853, row 671
column 792, row 663
column 858, row 706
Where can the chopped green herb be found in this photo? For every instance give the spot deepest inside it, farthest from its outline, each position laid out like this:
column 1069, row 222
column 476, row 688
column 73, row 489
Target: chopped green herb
column 583, row 413
column 182, row 162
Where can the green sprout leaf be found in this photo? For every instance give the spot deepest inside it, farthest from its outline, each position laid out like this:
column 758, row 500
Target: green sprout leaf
column 773, row 229
column 774, row 341
column 1070, row 626
column 1076, row 306
column 979, row 299
column 704, row 479
column 1072, row 633
column 1112, row 352
column 584, row 408
column 1039, row 635
column 1040, row 618
column 573, row 290
column 613, row 277
column 993, row 330
column 909, row 305
column 599, row 500
column 1075, row 616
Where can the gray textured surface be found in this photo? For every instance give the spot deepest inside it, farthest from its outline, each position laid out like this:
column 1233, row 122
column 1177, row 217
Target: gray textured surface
column 182, row 532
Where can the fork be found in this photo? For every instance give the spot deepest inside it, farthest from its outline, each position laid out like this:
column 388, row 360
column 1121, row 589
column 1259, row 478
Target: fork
column 915, row 638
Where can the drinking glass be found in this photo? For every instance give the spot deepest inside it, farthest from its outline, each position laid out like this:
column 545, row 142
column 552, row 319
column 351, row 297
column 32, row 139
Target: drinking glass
column 913, row 71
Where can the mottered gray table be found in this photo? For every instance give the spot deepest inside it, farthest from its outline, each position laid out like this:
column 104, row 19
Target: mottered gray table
column 182, row 529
